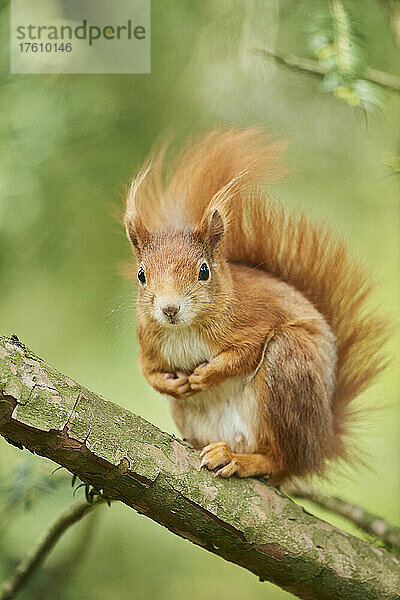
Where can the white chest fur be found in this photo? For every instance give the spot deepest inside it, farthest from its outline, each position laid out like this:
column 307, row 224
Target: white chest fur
column 183, row 349
column 225, row 412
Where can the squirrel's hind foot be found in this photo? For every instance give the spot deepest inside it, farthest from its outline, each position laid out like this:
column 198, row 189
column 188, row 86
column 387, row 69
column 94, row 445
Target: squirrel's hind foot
column 219, row 456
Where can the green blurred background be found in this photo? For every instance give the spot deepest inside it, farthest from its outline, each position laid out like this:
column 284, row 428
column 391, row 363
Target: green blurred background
column 69, row 145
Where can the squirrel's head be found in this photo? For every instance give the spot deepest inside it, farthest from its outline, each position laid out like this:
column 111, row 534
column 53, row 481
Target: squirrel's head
column 179, row 271
column 183, row 277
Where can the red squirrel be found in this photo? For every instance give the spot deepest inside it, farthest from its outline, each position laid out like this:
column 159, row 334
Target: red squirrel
column 251, row 319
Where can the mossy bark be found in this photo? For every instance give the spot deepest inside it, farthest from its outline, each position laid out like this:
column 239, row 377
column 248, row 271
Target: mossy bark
column 243, row 521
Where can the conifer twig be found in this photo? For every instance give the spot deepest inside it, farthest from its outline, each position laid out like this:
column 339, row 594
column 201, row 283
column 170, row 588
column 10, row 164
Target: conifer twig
column 313, row 68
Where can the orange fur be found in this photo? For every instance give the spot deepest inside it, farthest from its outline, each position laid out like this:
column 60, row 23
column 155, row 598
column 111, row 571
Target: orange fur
column 272, row 349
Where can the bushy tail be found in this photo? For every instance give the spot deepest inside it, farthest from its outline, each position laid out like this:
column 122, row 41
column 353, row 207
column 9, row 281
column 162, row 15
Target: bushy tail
column 263, row 234
column 318, row 264
column 176, row 195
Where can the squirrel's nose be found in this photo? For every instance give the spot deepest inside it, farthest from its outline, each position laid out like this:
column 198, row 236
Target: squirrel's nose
column 171, row 310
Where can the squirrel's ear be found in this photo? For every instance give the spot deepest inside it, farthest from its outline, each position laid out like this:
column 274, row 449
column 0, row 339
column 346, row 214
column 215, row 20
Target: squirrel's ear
column 137, row 233
column 215, row 229
column 211, row 229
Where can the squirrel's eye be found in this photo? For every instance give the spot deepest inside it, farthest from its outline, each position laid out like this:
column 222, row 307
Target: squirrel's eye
column 204, row 272
column 141, row 276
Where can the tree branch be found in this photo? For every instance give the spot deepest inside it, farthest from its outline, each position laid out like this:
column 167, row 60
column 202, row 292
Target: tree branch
column 32, row 561
column 313, row 68
column 244, row 521
column 368, row 522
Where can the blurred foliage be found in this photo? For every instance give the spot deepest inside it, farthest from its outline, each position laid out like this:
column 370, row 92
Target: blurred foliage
column 70, row 144
column 337, row 41
column 392, row 161
column 27, row 482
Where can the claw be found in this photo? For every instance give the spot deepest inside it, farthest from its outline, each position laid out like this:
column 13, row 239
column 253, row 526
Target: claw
column 204, row 451
column 228, row 469
column 217, row 455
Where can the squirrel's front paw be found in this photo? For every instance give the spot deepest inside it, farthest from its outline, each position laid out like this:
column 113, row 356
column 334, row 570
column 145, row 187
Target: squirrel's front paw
column 203, row 377
column 176, row 385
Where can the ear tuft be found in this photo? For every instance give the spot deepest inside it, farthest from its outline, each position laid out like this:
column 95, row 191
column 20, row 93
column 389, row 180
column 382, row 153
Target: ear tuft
column 137, row 233
column 215, row 229
column 211, row 229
